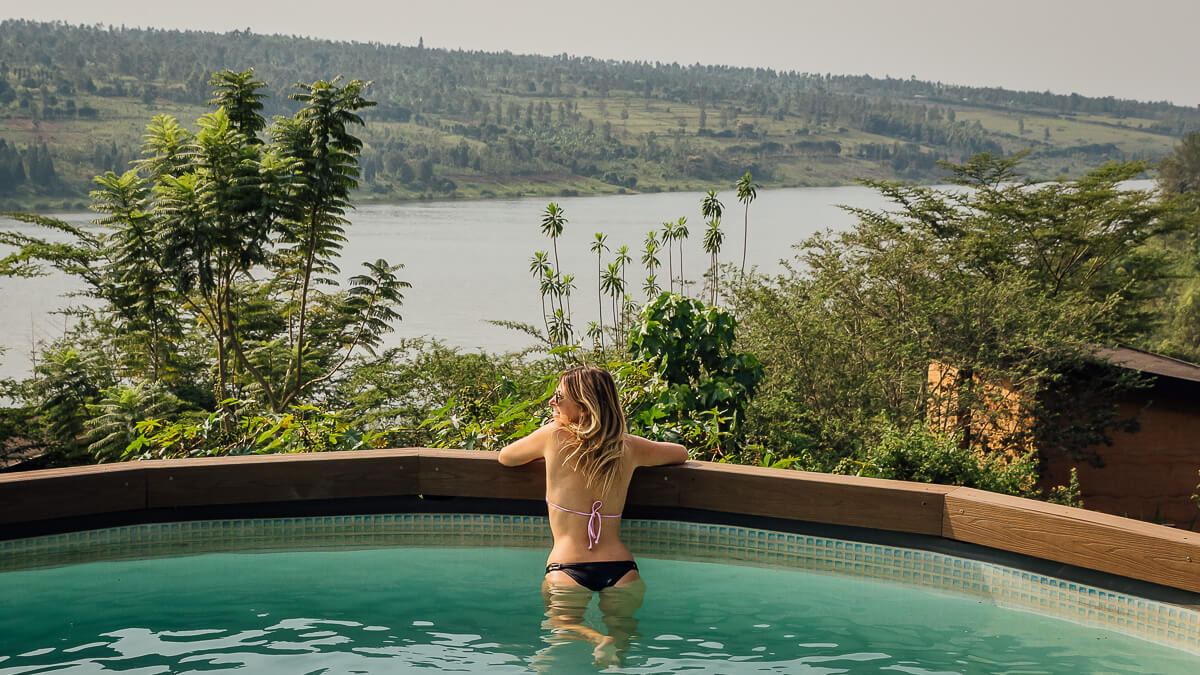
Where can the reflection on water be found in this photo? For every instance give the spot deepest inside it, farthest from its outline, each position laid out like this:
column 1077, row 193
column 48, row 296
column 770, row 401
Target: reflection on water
column 567, row 620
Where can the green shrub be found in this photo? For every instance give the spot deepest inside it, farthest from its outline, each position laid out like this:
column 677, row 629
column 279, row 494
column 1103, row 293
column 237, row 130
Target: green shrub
column 706, row 384
column 234, row 430
column 1069, row 494
column 917, row 454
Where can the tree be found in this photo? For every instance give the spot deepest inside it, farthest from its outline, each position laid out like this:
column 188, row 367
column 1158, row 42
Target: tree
column 553, row 222
column 1007, row 283
column 241, row 96
column 139, row 293
column 680, row 234
column 319, row 141
column 747, row 191
column 651, row 261
column 238, row 235
column 539, row 267
column 1179, row 308
column 598, row 247
column 668, row 236
column 713, row 238
column 612, row 284
column 712, row 209
column 1180, row 171
column 113, row 424
column 622, row 260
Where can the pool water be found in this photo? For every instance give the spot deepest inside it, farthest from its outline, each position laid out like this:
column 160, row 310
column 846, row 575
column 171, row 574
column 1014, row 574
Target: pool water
column 481, row 610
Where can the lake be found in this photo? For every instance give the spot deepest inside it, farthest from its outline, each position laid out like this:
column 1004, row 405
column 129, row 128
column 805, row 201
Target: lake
column 469, row 261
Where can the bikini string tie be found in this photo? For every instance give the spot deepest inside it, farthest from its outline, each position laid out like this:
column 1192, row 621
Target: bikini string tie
column 595, row 523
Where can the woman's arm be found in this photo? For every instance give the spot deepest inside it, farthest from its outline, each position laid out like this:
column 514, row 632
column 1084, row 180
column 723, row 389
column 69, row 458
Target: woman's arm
column 529, row 448
column 655, row 453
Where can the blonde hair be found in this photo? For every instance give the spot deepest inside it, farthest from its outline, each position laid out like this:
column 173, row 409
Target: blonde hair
column 597, row 440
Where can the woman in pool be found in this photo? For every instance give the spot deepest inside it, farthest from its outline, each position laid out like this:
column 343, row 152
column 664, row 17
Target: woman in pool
column 590, row 459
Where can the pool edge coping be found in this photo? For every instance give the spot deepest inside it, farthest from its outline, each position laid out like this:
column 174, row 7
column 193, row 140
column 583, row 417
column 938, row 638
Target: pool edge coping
column 1086, row 539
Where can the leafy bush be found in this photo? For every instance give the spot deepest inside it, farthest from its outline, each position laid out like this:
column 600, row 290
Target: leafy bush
column 305, row 428
column 489, row 422
column 706, row 383
column 1069, row 494
column 917, row 454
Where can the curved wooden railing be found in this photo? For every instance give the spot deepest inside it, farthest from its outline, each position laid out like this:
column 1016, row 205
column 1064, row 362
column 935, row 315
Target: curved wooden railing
column 1087, row 539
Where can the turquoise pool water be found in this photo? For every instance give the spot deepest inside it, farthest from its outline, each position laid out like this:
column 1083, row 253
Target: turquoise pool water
column 404, row 609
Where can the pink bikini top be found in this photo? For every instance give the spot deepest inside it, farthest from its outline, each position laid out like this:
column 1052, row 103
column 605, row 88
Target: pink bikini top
column 594, row 517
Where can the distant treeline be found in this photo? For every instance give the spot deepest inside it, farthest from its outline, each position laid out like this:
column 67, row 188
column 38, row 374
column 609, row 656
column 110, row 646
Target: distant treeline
column 501, row 115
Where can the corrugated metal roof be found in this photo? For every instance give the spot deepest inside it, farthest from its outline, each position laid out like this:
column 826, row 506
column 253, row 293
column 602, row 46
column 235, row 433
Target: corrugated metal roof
column 1149, row 362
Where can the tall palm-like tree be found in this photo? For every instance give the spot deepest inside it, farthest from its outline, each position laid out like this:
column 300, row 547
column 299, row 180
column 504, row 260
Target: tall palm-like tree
column 553, row 222
column 622, row 260
column 614, row 287
column 598, row 247
column 539, row 267
column 712, row 210
column 594, row 332
column 651, row 261
column 746, row 193
column 560, row 328
column 650, row 287
column 668, row 236
column 681, row 235
column 711, row 207
column 141, row 294
column 713, row 238
column 568, row 285
column 552, row 226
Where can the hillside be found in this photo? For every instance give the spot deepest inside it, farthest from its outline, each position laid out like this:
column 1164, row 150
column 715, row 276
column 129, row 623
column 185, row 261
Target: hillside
column 457, row 124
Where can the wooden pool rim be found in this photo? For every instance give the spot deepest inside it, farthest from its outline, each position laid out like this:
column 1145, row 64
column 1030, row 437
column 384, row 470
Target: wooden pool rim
column 73, row 498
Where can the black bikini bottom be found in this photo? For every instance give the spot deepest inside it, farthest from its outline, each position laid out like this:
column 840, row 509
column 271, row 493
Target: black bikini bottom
column 595, row 576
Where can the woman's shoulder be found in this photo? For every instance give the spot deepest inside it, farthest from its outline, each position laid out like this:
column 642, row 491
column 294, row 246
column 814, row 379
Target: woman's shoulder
column 543, row 442
column 554, row 434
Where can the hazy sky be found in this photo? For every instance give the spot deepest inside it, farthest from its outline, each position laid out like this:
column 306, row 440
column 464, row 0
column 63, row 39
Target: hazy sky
column 1144, row 50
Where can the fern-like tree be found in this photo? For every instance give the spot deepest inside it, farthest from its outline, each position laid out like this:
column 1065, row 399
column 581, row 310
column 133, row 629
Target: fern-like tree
column 113, row 421
column 237, row 234
column 139, row 294
column 241, row 95
column 318, row 142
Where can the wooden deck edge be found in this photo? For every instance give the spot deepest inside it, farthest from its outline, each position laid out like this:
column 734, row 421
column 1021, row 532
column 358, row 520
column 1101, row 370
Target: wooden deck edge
column 1096, row 541
column 1076, row 537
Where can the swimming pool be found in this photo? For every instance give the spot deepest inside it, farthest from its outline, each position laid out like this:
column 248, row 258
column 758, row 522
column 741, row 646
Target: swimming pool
column 396, row 592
